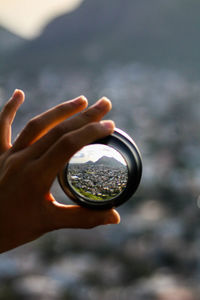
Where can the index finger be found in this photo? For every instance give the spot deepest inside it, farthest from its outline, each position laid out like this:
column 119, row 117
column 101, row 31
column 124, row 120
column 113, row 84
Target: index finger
column 59, row 153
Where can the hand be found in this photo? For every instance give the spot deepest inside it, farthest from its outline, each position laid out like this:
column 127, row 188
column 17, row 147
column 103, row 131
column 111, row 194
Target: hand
column 29, row 167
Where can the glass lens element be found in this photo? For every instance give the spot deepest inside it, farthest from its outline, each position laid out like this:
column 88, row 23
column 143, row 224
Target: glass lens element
column 97, row 172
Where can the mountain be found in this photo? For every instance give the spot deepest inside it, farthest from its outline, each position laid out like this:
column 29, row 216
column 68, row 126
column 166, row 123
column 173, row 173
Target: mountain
column 159, row 32
column 105, row 161
column 109, row 162
column 89, row 162
column 9, row 42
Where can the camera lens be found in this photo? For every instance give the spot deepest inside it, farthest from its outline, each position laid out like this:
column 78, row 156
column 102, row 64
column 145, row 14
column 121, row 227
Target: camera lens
column 97, row 172
column 103, row 174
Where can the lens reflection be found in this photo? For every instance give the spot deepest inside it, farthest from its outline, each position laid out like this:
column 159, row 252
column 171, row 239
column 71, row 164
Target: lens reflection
column 98, row 172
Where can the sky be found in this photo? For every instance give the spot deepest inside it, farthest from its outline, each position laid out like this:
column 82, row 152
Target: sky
column 94, row 152
column 27, row 18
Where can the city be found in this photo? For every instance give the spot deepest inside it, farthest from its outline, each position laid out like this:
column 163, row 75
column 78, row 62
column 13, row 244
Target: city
column 98, row 181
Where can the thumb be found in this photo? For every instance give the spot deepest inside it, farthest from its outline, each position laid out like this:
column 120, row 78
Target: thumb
column 73, row 216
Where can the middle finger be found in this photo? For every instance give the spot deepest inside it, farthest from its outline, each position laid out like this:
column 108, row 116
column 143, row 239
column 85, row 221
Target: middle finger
column 94, row 114
column 41, row 124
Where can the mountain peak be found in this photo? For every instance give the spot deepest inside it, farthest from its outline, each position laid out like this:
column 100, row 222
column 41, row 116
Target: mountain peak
column 109, row 162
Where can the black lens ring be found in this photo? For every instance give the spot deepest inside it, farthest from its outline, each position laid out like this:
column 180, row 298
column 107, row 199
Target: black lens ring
column 121, row 142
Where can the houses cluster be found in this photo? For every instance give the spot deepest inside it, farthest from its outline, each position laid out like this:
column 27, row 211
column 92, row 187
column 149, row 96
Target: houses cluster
column 99, row 182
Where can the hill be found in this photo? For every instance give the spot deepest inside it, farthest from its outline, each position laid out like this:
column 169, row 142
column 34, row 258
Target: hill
column 159, row 32
column 9, row 43
column 109, row 162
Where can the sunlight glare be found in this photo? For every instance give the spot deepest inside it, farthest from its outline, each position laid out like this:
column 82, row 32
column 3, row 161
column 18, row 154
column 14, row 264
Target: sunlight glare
column 28, row 18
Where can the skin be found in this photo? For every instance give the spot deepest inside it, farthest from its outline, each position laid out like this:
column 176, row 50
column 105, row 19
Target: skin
column 29, row 167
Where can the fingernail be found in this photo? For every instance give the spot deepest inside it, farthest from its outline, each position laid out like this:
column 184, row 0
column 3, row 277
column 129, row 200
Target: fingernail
column 103, row 102
column 17, row 93
column 112, row 219
column 108, row 125
column 13, row 95
column 80, row 100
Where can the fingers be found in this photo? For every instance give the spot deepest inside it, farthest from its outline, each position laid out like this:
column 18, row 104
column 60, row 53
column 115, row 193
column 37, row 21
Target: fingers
column 60, row 152
column 72, row 216
column 7, row 116
column 41, row 124
column 94, row 114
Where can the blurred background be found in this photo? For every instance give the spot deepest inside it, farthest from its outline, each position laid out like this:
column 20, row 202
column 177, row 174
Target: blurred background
column 144, row 56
